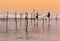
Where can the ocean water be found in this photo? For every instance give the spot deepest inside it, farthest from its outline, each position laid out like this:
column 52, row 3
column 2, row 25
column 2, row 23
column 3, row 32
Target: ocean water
column 37, row 30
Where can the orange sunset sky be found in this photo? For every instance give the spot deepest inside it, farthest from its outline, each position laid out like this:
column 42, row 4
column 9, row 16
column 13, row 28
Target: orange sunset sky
column 29, row 5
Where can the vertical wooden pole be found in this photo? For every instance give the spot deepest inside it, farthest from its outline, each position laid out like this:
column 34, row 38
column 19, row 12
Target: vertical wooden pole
column 16, row 20
column 48, row 28
column 3, row 16
column 20, row 19
column 37, row 18
column 34, row 21
column 56, row 20
column 34, row 18
column 48, row 25
column 26, row 22
column 48, row 21
column 43, row 24
column 31, row 17
column 7, row 22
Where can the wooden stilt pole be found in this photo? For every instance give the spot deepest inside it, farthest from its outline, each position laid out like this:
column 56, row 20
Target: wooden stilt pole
column 7, row 23
column 16, row 20
column 20, row 19
column 26, row 22
column 43, row 24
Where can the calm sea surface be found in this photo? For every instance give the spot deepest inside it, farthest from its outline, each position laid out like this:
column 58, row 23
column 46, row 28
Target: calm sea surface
column 36, row 30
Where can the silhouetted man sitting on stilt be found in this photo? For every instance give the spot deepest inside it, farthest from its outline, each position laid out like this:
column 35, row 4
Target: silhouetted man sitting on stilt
column 48, row 15
column 37, row 15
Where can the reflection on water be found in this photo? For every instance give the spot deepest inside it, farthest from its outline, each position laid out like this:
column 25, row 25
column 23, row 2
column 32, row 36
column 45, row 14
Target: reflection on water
column 35, row 30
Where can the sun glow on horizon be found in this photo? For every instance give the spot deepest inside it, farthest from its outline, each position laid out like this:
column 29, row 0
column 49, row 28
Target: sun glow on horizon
column 41, row 5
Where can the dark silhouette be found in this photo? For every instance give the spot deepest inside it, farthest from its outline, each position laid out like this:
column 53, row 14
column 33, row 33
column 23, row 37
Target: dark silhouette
column 56, row 20
column 16, row 20
column 48, row 15
column 43, row 24
column 37, row 15
column 26, row 17
column 20, row 19
column 48, row 22
column 37, row 20
column 7, row 22
column 34, row 17
column 31, row 17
